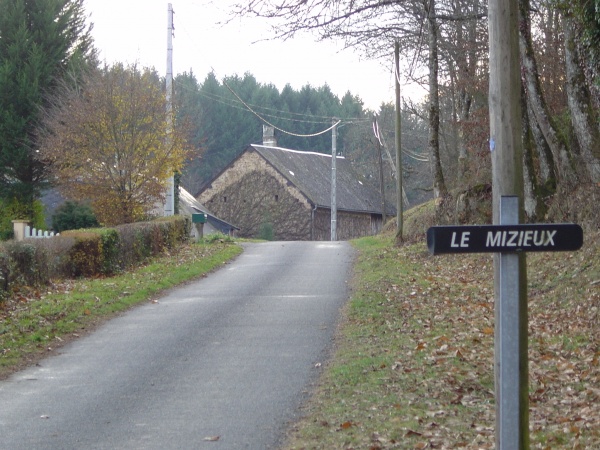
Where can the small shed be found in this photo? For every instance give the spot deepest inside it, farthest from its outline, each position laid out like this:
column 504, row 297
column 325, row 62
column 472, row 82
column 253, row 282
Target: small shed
column 188, row 205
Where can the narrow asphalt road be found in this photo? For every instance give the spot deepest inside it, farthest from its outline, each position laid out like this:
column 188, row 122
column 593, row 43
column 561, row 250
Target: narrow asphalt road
column 222, row 363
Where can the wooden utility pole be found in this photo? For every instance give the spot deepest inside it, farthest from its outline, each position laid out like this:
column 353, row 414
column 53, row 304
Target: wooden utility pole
column 399, row 197
column 381, row 179
column 169, row 207
column 510, row 276
column 334, row 180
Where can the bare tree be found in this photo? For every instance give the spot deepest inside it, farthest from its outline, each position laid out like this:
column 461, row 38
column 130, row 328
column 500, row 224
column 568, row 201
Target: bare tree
column 371, row 27
column 562, row 158
column 583, row 114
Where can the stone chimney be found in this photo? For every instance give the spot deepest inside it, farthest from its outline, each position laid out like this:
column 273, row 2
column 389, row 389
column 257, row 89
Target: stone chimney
column 269, row 136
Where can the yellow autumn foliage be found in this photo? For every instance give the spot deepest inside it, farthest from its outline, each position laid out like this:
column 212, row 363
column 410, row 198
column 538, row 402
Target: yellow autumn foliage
column 110, row 143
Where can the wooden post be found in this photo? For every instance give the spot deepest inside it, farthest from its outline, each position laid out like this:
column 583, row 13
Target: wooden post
column 399, row 199
column 19, row 229
column 381, row 175
column 199, row 231
column 507, row 180
column 334, row 180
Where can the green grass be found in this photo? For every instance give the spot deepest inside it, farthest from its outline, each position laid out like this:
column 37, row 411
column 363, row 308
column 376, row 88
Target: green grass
column 39, row 321
column 414, row 365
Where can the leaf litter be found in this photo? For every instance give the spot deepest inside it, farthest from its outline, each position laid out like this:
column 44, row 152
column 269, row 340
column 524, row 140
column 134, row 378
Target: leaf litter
column 414, row 364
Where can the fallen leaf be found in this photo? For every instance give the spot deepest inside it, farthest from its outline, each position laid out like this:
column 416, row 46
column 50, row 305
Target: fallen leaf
column 413, row 433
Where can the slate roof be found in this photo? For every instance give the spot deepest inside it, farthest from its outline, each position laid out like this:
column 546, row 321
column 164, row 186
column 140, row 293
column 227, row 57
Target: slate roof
column 310, row 173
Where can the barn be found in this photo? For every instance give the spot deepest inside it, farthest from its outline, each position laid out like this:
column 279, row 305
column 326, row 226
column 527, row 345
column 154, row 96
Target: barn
column 281, row 194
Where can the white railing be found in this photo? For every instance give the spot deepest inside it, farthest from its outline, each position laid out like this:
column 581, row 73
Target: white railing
column 22, row 231
column 35, row 233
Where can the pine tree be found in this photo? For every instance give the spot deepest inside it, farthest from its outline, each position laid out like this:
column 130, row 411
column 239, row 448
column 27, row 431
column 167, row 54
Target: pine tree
column 41, row 43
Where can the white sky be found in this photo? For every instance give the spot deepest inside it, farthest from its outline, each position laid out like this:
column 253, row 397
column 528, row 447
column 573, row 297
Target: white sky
column 132, row 31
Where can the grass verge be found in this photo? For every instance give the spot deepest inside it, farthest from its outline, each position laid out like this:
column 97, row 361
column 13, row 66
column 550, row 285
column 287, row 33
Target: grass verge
column 34, row 322
column 414, row 362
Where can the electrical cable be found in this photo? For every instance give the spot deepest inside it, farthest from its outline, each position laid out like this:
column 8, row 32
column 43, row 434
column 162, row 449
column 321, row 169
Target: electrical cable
column 276, row 127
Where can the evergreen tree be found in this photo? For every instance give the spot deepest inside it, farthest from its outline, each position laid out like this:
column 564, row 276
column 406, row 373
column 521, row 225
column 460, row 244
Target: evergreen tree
column 189, row 111
column 228, row 115
column 41, row 42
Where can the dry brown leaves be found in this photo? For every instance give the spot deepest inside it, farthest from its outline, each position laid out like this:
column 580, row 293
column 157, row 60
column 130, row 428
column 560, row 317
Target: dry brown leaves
column 422, row 337
column 447, row 307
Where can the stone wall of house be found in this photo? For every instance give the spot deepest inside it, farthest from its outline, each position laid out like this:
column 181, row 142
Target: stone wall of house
column 249, row 162
column 255, row 197
column 349, row 225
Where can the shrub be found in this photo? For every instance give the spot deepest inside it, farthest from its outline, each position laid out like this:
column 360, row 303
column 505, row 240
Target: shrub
column 111, row 261
column 133, row 244
column 73, row 216
column 217, row 237
column 94, row 252
column 13, row 210
column 27, row 263
column 85, row 256
column 4, row 274
column 266, row 231
column 87, row 253
column 58, row 250
column 174, row 229
column 34, row 262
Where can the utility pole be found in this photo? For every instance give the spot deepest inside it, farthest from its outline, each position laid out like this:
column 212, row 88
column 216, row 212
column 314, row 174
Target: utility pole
column 169, row 207
column 333, row 180
column 399, row 197
column 381, row 180
column 510, row 272
column 511, row 365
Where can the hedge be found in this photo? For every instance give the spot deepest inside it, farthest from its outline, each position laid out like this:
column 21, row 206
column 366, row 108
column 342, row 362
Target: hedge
column 88, row 252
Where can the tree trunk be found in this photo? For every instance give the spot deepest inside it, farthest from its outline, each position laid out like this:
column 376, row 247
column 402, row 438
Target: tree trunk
column 439, row 185
column 583, row 117
column 532, row 200
column 398, row 142
column 536, row 101
column 511, row 367
column 464, row 98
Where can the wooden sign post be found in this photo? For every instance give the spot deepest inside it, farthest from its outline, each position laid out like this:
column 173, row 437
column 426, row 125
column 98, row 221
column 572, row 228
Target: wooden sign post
column 509, row 240
column 506, row 150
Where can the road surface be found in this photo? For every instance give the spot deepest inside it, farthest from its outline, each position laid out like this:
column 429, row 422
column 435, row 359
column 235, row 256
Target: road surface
column 222, row 363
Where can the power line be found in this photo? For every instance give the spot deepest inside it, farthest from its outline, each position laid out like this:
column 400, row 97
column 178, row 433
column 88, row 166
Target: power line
column 239, row 104
column 274, row 126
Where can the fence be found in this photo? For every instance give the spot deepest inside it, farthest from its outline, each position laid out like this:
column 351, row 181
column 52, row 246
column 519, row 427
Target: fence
column 22, row 231
column 35, row 233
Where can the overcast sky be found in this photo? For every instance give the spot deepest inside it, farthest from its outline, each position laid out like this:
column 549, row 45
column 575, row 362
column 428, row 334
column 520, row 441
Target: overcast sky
column 136, row 31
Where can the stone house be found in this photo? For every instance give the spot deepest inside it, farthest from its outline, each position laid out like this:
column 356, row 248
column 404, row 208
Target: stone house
column 284, row 194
